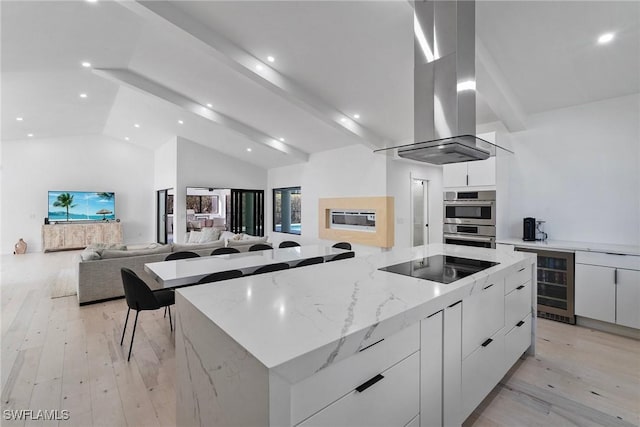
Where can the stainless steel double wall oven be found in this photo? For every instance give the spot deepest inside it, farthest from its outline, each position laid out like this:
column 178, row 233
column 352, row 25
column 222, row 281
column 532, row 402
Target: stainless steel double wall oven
column 470, row 218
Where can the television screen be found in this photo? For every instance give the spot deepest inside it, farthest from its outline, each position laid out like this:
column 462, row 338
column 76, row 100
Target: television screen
column 81, row 206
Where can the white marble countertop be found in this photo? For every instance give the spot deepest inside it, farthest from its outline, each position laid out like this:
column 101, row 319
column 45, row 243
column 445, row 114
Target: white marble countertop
column 563, row 245
column 188, row 271
column 299, row 321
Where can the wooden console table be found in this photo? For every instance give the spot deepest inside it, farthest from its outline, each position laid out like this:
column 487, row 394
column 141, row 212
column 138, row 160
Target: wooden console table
column 60, row 237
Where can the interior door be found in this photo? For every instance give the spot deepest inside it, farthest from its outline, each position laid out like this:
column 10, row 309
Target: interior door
column 420, row 212
column 247, row 212
column 163, row 225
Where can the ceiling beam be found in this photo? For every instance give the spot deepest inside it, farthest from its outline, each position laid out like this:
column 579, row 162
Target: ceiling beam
column 496, row 92
column 170, row 17
column 142, row 84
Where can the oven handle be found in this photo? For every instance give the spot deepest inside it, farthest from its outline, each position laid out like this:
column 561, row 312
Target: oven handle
column 474, row 238
column 469, row 202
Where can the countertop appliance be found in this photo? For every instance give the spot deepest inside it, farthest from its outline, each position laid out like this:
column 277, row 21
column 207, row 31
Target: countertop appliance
column 529, row 229
column 440, row 268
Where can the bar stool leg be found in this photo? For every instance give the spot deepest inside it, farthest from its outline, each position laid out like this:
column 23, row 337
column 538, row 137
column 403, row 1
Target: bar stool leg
column 125, row 326
column 135, row 323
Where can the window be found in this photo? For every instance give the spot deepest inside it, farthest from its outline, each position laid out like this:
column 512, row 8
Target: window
column 287, row 207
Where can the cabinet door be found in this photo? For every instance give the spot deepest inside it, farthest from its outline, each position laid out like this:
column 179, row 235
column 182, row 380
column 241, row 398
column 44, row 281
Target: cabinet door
column 482, row 172
column 74, row 236
column 387, row 400
column 595, row 295
column 452, row 366
column 93, row 233
column 487, row 303
column 454, row 175
column 628, row 298
column 431, row 370
column 53, row 237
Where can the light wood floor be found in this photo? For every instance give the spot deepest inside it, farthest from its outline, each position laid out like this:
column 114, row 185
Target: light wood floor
column 56, row 355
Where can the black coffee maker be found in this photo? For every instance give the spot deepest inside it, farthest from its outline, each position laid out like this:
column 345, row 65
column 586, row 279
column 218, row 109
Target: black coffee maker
column 529, row 229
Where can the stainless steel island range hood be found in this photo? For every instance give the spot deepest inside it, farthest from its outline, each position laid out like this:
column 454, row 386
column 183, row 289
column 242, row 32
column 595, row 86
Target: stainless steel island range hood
column 444, row 86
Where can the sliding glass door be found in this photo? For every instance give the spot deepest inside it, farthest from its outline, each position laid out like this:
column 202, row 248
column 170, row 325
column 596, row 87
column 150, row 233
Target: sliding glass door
column 164, row 220
column 247, row 212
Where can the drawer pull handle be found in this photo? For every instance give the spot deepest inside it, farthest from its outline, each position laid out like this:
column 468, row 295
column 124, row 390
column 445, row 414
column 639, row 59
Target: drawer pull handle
column 487, row 342
column 369, row 383
column 371, row 345
column 520, row 287
column 522, row 269
column 454, row 304
column 487, row 287
column 520, row 323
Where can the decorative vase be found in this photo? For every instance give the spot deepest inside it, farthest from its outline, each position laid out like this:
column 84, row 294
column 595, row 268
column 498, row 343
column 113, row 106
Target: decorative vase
column 20, row 247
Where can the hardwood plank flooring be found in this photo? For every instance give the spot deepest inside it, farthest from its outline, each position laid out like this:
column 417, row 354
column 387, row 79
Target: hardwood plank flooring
column 57, row 355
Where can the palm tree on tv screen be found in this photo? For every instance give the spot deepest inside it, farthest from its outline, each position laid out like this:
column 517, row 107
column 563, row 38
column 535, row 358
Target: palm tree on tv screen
column 65, row 200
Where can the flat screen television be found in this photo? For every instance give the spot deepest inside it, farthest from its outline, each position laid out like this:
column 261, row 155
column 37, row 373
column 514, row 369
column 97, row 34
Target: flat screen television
column 81, row 206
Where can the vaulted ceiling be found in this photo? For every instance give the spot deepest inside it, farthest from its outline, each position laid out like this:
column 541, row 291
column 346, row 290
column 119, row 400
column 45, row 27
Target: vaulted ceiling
column 156, row 64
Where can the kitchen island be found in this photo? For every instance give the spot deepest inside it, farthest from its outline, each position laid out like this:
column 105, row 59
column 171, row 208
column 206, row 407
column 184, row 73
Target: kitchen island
column 344, row 343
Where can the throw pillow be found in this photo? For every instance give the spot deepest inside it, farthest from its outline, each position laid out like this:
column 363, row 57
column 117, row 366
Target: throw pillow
column 209, row 234
column 227, row 235
column 194, row 237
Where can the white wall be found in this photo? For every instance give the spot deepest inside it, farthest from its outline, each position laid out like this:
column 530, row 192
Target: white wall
column 353, row 171
column 199, row 166
column 30, row 168
column 578, row 168
column 399, row 176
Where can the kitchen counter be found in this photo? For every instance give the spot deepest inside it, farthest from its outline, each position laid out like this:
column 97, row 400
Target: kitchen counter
column 567, row 246
column 283, row 328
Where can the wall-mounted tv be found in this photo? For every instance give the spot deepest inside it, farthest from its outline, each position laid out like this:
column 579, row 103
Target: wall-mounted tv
column 81, row 206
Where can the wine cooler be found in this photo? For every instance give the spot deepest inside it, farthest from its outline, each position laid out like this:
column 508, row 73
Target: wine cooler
column 555, row 285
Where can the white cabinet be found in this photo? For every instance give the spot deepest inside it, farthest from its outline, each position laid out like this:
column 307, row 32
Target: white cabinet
column 440, row 369
column 479, row 173
column 386, row 400
column 486, row 304
column 595, row 292
column 608, row 288
column 628, row 298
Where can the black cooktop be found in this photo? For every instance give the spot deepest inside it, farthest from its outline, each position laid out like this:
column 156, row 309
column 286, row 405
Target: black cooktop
column 440, row 268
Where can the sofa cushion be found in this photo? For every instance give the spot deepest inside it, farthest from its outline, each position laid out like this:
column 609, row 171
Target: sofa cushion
column 177, row 247
column 209, row 234
column 101, row 246
column 194, row 237
column 89, row 255
column 113, row 253
column 247, row 242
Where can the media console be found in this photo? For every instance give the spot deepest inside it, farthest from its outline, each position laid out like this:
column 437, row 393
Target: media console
column 61, row 237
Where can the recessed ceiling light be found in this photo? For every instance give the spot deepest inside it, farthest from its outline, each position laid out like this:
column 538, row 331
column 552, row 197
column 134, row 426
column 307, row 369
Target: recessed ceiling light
column 86, row 64
column 343, row 120
column 19, row 119
column 259, row 67
column 356, row 116
column 606, row 38
column 126, row 138
column 92, row 1
column 210, row 105
column 466, row 85
column 249, row 150
column 281, row 139
column 135, row 125
column 83, row 95
column 271, row 58
column 30, row 135
column 181, row 122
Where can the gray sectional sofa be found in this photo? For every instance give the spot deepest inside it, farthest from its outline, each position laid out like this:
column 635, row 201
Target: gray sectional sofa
column 99, row 268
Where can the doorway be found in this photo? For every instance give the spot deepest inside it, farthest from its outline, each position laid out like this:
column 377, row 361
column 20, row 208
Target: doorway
column 164, row 220
column 419, row 212
column 247, row 212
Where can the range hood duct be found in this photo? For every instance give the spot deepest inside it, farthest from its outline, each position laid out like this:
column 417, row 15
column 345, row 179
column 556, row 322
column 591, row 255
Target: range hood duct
column 444, row 86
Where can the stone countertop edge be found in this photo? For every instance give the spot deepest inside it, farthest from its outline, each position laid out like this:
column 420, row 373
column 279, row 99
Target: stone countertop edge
column 296, row 342
column 569, row 246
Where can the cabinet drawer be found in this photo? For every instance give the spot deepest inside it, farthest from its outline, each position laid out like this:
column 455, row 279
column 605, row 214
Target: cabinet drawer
column 316, row 392
column 481, row 371
column 391, row 401
column 517, row 304
column 631, row 262
column 482, row 315
column 517, row 341
column 518, row 278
